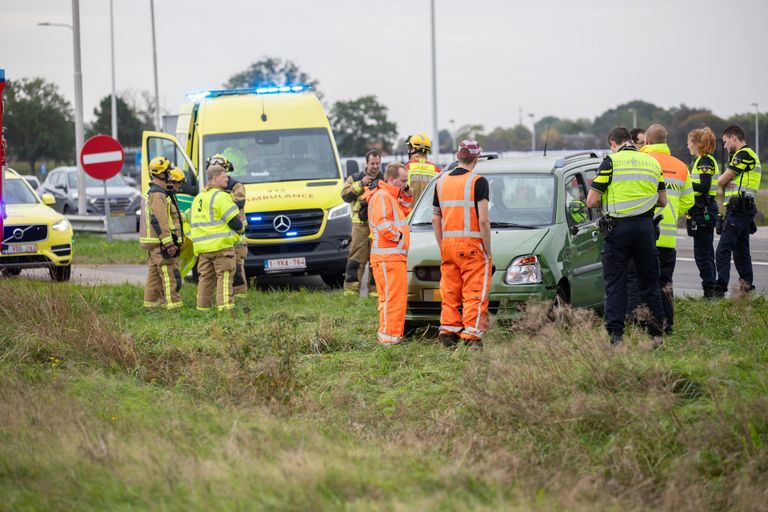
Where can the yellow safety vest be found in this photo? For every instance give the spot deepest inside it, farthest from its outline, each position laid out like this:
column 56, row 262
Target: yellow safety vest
column 211, row 210
column 747, row 182
column 421, row 167
column 632, row 185
column 696, row 175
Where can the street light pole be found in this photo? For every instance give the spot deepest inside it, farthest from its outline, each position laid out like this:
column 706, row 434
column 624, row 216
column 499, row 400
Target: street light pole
column 158, row 126
column 533, row 133
column 634, row 117
column 757, row 130
column 112, row 41
column 435, row 133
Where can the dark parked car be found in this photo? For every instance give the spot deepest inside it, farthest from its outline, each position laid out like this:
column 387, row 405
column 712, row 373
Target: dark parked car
column 62, row 184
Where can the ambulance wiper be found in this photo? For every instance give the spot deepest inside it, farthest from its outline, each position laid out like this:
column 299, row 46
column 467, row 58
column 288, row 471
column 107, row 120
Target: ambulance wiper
column 501, row 224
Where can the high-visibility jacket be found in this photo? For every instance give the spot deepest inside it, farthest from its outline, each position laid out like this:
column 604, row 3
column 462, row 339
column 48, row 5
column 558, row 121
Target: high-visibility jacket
column 420, row 166
column 354, row 192
column 746, row 164
column 705, row 161
column 388, row 222
column 633, row 184
column 458, row 216
column 679, row 193
column 211, row 210
column 162, row 219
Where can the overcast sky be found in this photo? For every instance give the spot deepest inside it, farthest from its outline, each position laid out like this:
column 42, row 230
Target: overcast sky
column 560, row 57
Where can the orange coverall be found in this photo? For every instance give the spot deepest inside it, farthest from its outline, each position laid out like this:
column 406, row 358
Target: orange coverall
column 389, row 249
column 465, row 266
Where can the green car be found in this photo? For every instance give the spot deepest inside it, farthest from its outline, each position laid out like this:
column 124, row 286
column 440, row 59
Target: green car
column 544, row 240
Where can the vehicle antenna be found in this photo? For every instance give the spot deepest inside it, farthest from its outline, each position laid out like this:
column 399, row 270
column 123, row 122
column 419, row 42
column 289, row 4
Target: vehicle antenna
column 546, row 140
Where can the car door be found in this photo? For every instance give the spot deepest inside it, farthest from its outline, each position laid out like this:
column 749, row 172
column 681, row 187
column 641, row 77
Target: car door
column 585, row 243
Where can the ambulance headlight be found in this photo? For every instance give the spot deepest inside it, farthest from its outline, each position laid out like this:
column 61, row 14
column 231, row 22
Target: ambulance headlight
column 61, row 225
column 338, row 212
column 524, row 270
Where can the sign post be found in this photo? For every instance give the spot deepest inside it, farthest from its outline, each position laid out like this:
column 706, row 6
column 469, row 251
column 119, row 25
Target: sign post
column 102, row 158
column 2, row 161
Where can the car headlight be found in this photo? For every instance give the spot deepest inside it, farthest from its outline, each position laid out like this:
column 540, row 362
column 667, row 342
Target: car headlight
column 524, row 270
column 337, row 212
column 61, row 225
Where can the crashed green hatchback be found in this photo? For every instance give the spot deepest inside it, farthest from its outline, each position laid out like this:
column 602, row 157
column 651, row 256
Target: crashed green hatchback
column 545, row 242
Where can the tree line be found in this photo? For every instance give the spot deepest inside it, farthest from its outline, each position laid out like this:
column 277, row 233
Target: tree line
column 40, row 125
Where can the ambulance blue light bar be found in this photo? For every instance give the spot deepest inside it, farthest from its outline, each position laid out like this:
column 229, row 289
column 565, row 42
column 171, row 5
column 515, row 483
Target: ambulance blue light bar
column 285, row 89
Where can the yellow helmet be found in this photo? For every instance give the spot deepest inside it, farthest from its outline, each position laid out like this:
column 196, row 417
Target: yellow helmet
column 221, row 160
column 419, row 142
column 176, row 175
column 159, row 165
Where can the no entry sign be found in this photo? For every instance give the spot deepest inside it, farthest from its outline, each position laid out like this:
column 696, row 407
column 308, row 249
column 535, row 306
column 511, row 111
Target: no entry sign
column 102, row 157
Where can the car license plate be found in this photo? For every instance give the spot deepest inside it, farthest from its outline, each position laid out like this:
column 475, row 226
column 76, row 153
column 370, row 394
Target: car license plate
column 432, row 296
column 285, row 264
column 19, row 249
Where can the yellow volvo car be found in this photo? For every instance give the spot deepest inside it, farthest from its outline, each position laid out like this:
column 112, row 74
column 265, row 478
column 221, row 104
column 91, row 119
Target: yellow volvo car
column 34, row 235
column 280, row 142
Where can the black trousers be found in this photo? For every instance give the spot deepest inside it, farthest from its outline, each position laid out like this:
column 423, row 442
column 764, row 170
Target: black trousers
column 632, row 238
column 667, row 259
column 735, row 240
column 703, row 244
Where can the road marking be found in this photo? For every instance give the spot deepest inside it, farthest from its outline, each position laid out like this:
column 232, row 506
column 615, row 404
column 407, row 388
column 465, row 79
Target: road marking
column 761, row 263
column 100, row 158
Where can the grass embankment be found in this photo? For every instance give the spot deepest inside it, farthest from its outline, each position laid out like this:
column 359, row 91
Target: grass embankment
column 93, row 248
column 287, row 403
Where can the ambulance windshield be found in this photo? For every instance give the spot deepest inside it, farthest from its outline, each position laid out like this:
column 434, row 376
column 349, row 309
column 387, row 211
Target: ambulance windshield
column 276, row 155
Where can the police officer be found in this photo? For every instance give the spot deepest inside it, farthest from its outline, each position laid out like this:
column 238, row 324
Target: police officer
column 701, row 220
column 162, row 236
column 628, row 186
column 215, row 229
column 420, row 170
column 741, row 181
column 357, row 190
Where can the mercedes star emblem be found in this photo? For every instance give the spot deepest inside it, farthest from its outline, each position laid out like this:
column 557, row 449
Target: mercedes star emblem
column 281, row 223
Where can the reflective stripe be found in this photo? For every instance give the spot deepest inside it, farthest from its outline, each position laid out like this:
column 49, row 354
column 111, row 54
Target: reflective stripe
column 167, row 282
column 151, row 304
column 229, row 212
column 174, row 305
column 634, row 203
column 457, row 202
column 225, row 307
column 473, row 331
column 467, row 234
column 203, row 309
column 206, row 224
column 450, row 328
column 388, row 250
column 668, row 231
column 386, row 293
column 482, row 296
column 621, row 176
column 386, row 337
column 212, row 236
column 674, row 181
column 225, row 289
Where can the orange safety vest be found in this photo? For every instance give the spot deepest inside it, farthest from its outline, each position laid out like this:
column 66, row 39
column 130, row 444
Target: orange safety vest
column 456, row 195
column 388, row 225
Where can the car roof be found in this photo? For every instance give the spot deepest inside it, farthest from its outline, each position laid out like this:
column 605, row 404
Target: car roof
column 535, row 163
column 65, row 168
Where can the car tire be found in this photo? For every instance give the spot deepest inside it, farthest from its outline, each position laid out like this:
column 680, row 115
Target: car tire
column 11, row 271
column 61, row 274
column 335, row 280
column 559, row 307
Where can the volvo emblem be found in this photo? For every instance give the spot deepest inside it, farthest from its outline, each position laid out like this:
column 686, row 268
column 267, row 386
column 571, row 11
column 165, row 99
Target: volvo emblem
column 18, row 233
column 281, row 223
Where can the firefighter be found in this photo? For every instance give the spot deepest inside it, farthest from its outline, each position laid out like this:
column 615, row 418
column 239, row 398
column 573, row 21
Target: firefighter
column 237, row 190
column 215, row 230
column 357, row 190
column 161, row 230
column 388, row 223
column 741, row 181
column 463, row 232
column 628, row 185
column 420, row 170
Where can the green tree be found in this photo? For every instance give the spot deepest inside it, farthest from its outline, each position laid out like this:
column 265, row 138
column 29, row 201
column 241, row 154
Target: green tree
column 129, row 122
column 39, row 122
column 361, row 124
column 647, row 113
column 272, row 71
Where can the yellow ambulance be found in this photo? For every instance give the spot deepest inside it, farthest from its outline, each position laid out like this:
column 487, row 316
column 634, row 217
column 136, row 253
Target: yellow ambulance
column 280, row 142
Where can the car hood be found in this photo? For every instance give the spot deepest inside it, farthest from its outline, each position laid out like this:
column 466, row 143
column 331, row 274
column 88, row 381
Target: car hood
column 506, row 245
column 36, row 213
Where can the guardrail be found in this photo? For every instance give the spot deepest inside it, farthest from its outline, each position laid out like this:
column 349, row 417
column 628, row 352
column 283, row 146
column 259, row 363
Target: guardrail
column 98, row 223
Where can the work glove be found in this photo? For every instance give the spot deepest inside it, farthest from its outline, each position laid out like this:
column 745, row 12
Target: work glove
column 169, row 250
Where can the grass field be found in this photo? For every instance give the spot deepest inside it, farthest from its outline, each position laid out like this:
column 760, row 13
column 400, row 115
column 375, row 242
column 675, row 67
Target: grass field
column 93, row 248
column 288, row 404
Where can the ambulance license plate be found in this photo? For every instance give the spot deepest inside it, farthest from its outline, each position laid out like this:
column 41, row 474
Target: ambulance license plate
column 282, row 264
column 19, row 249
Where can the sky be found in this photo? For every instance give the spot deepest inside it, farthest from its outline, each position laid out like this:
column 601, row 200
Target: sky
column 549, row 57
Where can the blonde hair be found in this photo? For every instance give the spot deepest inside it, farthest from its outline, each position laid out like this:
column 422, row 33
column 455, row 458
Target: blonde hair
column 213, row 171
column 393, row 170
column 703, row 140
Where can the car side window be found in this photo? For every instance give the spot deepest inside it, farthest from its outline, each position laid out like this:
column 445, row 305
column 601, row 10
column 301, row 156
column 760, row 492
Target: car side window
column 576, row 210
column 589, row 176
column 54, row 179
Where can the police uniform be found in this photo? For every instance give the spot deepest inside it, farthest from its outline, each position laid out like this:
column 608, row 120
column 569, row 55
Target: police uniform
column 740, row 194
column 357, row 194
column 240, row 280
column 629, row 183
column 702, row 218
column 215, row 229
column 162, row 229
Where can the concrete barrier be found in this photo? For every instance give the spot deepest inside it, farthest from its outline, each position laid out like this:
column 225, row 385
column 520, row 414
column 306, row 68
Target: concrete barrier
column 98, row 223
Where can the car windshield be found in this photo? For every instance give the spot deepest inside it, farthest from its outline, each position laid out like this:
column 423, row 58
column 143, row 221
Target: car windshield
column 276, row 155
column 17, row 192
column 517, row 201
column 115, row 181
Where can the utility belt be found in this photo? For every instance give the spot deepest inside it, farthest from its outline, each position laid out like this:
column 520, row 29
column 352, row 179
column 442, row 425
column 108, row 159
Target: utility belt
column 606, row 224
column 738, row 204
column 703, row 201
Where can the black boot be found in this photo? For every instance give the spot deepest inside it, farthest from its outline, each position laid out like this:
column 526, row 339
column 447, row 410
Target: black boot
column 448, row 340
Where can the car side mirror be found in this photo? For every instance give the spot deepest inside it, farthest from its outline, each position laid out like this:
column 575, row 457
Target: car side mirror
column 59, row 185
column 48, row 199
column 352, row 167
column 574, row 229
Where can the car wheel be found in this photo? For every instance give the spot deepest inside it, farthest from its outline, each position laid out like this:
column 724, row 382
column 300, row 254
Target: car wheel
column 66, row 210
column 335, row 280
column 61, row 274
column 11, row 271
column 558, row 310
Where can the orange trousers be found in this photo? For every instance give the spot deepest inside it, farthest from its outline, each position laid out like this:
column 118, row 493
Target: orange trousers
column 392, row 285
column 466, row 277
